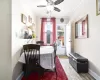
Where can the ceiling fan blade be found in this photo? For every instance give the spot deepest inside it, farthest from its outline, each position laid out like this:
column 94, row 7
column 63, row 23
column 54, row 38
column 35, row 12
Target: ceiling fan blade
column 41, row 6
column 58, row 2
column 57, row 9
column 48, row 1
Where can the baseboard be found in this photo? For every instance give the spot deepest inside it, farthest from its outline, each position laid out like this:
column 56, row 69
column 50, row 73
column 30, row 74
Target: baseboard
column 97, row 77
column 20, row 76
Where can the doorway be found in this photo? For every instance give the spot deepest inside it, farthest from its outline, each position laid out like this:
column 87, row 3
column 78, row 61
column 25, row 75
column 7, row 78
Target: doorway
column 60, row 37
column 63, row 37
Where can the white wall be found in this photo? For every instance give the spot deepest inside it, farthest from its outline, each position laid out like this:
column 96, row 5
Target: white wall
column 66, row 20
column 5, row 40
column 17, row 8
column 38, row 28
column 90, row 47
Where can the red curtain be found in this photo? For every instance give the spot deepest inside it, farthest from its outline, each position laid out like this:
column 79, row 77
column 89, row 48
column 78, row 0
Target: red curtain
column 53, row 20
column 42, row 28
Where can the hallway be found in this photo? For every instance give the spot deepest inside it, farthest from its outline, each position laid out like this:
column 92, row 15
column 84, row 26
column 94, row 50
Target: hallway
column 72, row 74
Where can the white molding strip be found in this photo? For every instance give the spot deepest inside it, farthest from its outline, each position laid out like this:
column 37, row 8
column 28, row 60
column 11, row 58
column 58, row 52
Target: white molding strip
column 97, row 77
column 20, row 76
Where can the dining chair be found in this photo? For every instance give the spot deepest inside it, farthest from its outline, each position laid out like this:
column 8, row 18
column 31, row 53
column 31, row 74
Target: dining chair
column 40, row 42
column 32, row 59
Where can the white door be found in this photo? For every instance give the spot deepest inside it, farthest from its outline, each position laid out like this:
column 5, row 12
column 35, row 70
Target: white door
column 68, row 38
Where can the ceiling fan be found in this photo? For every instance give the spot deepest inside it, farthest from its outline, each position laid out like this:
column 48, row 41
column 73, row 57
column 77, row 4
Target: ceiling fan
column 51, row 5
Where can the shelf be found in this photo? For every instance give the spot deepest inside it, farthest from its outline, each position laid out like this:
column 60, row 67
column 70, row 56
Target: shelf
column 60, row 31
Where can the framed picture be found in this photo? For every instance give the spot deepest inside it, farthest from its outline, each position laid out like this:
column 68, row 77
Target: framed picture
column 81, row 28
column 29, row 19
column 98, row 7
column 23, row 19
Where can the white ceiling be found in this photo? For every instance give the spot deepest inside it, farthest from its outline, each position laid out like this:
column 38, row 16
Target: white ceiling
column 67, row 7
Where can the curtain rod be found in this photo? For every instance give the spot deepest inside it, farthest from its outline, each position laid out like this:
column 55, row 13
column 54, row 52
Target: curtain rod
column 55, row 18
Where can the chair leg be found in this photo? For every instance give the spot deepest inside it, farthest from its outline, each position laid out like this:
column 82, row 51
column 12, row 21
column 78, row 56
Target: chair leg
column 39, row 76
column 26, row 72
column 26, row 75
column 56, row 73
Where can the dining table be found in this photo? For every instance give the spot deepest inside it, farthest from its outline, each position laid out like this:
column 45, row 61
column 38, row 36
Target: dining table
column 46, row 57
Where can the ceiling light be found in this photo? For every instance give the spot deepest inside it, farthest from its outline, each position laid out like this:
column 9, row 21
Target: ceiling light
column 50, row 8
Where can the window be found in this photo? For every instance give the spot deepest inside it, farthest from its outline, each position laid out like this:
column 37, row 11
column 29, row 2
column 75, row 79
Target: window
column 48, row 32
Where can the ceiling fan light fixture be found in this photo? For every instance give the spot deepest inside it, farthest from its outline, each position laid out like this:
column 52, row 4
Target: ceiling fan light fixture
column 51, row 5
column 50, row 8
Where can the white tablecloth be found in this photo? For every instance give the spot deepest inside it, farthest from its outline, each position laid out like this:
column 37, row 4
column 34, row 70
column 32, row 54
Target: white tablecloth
column 46, row 57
